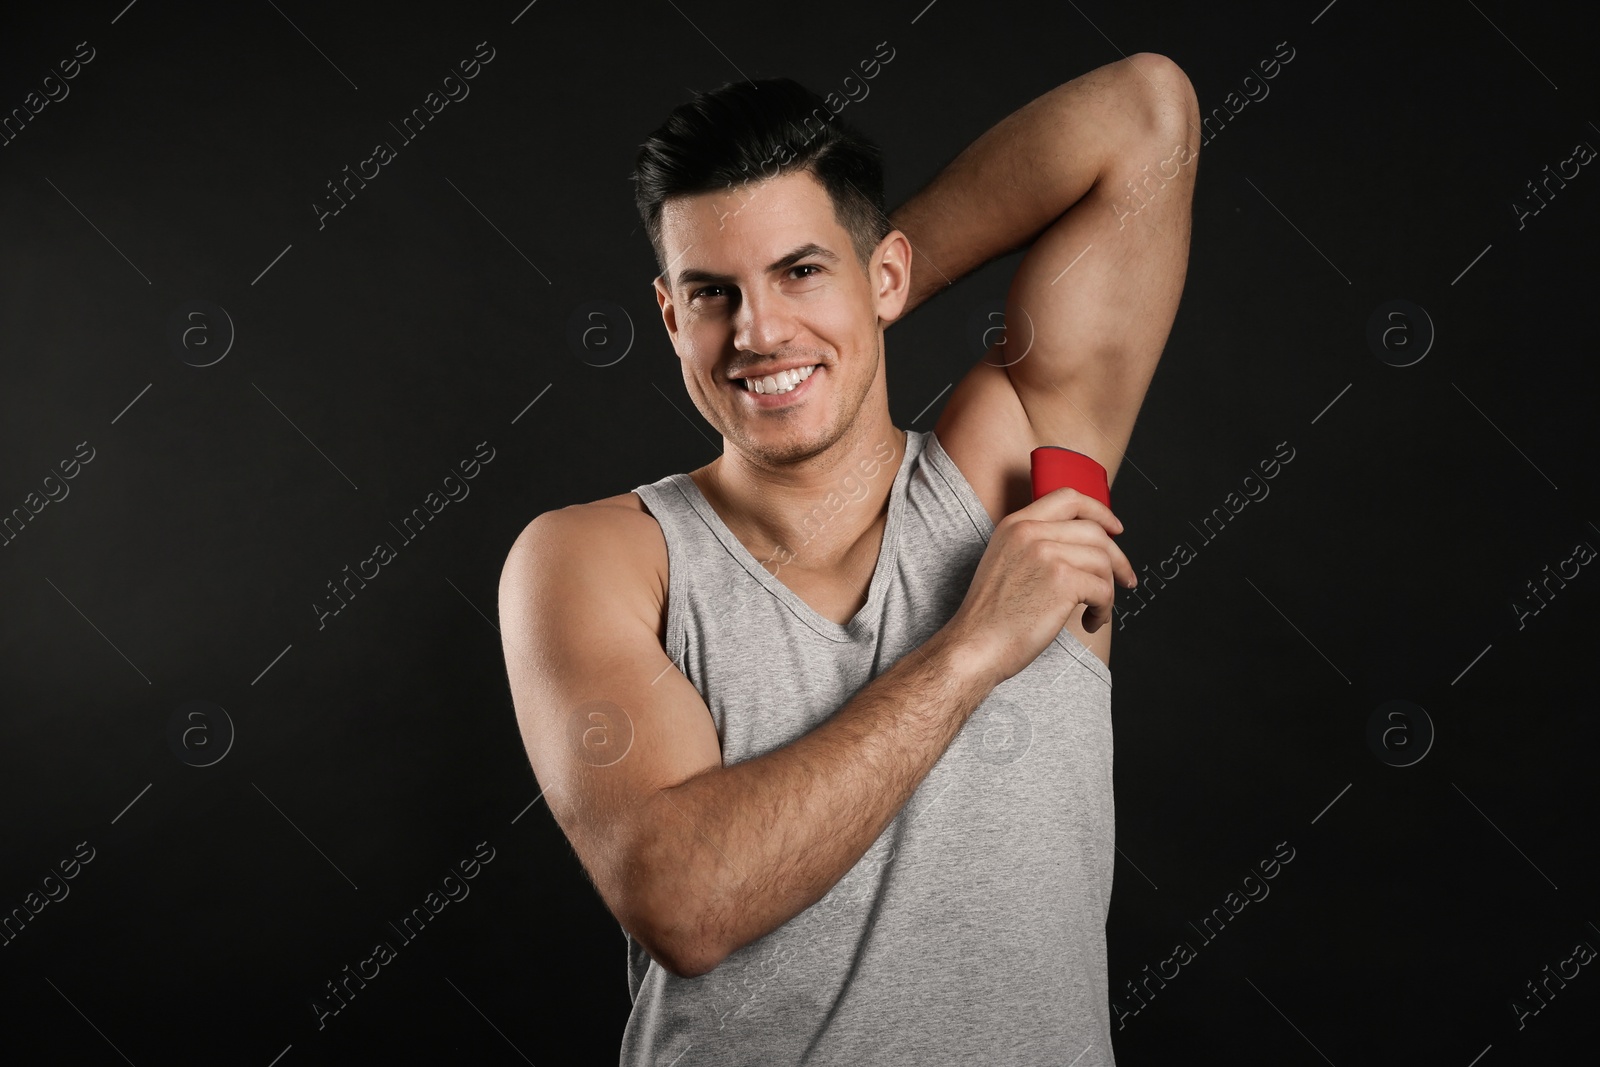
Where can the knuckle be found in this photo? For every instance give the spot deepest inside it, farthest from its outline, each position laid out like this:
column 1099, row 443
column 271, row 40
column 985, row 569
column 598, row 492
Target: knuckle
column 1061, row 570
column 1040, row 548
column 1019, row 527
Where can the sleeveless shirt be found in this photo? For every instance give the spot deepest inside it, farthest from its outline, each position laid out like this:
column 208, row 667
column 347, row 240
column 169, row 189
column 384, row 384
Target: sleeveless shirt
column 973, row 929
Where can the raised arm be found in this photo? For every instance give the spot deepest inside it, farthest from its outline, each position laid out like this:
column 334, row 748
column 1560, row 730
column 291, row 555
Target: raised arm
column 1005, row 188
column 1097, row 177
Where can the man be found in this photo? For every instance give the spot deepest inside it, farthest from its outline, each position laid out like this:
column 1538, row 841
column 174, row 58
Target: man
column 827, row 721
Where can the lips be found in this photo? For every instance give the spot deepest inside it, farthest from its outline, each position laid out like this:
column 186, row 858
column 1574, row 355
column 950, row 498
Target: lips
column 765, row 369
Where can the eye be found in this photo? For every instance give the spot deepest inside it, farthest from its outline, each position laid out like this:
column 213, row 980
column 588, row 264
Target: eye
column 708, row 292
column 806, row 266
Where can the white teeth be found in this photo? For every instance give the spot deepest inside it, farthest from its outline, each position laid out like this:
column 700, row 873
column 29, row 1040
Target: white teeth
column 781, row 382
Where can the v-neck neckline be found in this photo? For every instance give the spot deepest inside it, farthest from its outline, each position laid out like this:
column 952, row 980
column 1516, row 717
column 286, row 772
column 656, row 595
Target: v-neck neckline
column 888, row 550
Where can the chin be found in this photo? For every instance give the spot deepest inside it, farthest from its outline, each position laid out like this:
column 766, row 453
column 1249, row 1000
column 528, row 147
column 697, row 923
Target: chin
column 787, row 445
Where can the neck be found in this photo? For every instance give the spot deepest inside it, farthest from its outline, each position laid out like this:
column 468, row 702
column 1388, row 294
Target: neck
column 808, row 515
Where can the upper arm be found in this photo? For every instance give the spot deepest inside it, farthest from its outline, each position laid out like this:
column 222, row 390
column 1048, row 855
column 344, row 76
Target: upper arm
column 1089, row 309
column 606, row 717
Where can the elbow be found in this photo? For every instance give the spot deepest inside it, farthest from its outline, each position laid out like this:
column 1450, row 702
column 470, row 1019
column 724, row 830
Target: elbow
column 693, row 965
column 1173, row 105
column 671, row 942
column 661, row 915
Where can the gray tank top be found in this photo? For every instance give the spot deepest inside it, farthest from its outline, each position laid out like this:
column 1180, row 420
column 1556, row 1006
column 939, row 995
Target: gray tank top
column 973, row 929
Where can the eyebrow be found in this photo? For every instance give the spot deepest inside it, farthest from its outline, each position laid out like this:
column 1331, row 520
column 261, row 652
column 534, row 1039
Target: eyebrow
column 693, row 274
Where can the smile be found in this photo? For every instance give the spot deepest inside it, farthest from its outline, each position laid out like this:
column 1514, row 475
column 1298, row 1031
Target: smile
column 777, row 389
column 781, row 382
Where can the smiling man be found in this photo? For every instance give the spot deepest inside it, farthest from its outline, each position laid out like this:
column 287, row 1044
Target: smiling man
column 827, row 720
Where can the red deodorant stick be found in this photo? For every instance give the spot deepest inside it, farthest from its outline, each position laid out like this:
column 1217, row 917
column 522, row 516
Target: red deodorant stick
column 1055, row 467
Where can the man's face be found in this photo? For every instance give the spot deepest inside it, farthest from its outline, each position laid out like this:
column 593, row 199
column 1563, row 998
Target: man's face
column 763, row 276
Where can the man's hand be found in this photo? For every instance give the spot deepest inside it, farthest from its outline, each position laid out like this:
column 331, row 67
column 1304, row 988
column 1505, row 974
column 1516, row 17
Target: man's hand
column 1042, row 562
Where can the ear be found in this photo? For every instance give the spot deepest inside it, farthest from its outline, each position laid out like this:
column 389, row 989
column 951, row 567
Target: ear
column 669, row 310
column 891, row 276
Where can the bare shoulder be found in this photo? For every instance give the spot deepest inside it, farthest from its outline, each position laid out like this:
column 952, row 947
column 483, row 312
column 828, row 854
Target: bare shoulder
column 613, row 543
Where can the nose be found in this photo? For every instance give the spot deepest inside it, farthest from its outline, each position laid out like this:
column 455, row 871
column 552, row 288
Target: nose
column 763, row 323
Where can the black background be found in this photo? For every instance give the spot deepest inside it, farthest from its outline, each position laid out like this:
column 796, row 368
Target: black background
column 371, row 355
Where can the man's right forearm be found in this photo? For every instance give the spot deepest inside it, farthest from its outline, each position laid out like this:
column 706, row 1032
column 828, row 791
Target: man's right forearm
column 735, row 852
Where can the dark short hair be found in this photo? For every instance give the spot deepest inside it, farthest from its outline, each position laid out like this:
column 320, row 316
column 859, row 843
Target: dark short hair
column 748, row 131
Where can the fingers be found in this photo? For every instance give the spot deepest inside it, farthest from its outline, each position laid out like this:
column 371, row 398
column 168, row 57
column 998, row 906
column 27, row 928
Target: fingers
column 1082, row 528
column 1092, row 534
column 1098, row 593
column 1068, row 503
column 1065, row 504
column 1122, row 567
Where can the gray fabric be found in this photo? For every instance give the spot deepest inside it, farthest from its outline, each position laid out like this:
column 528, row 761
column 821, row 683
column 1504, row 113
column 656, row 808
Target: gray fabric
column 973, row 929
